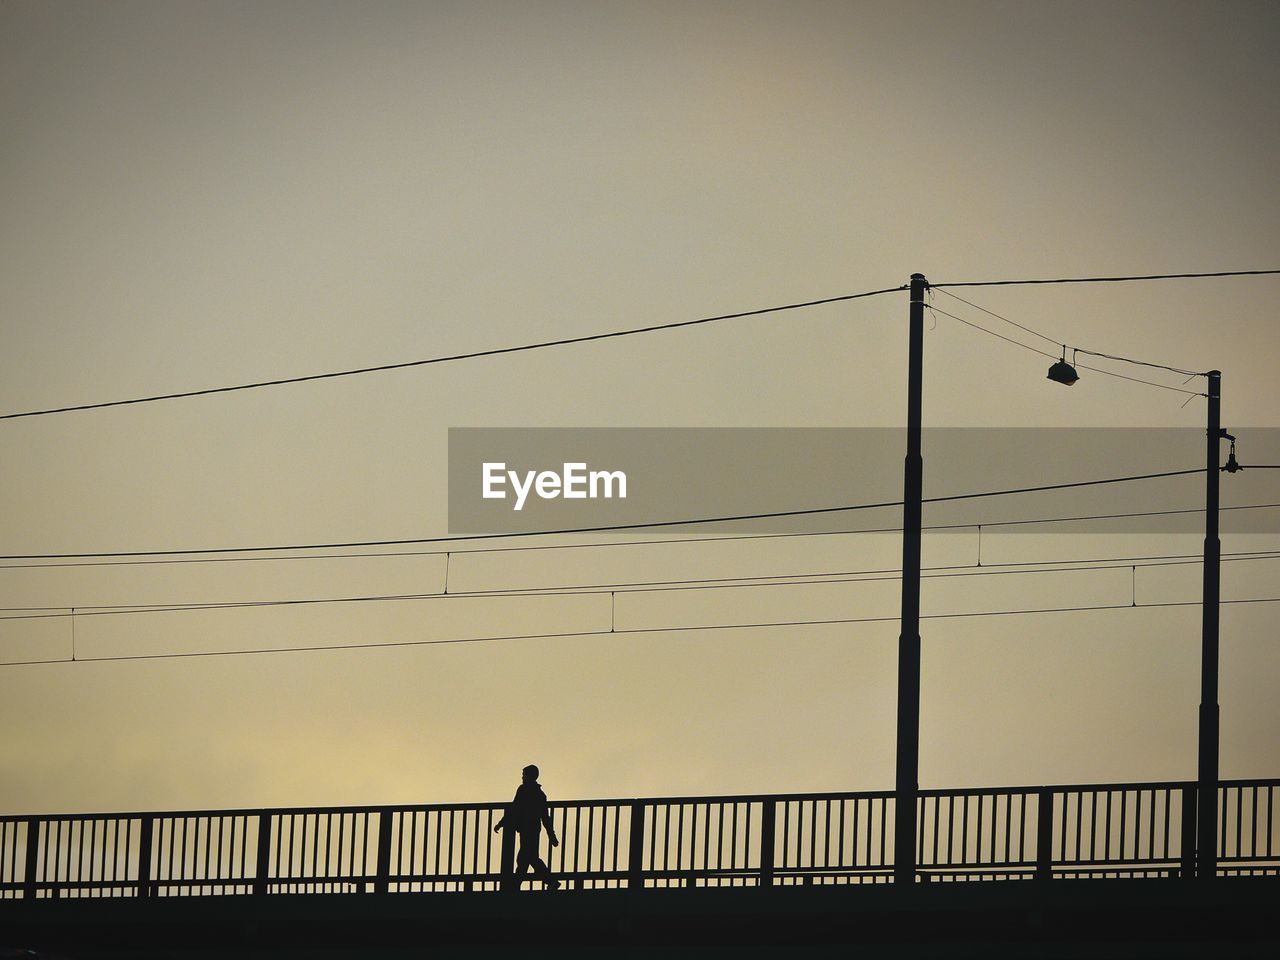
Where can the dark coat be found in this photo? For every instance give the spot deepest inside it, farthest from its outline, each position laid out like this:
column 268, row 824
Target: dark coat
column 528, row 811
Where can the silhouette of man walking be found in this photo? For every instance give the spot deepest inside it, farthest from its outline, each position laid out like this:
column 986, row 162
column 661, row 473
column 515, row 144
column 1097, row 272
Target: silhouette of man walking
column 528, row 813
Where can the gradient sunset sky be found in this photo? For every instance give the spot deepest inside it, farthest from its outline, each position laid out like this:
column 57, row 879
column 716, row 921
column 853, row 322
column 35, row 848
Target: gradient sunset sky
column 201, row 194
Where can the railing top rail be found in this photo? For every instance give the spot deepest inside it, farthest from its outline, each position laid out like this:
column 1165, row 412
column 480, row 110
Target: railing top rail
column 627, row 801
column 739, row 798
column 1163, row 784
column 446, row 807
column 1075, row 787
column 1059, row 788
column 252, row 811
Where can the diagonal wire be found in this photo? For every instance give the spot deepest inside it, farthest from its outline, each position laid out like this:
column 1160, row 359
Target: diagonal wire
column 1082, row 366
column 812, row 578
column 620, row 527
column 632, row 630
column 992, row 313
column 725, row 538
column 1093, row 353
column 494, row 352
column 1150, row 276
column 1142, row 363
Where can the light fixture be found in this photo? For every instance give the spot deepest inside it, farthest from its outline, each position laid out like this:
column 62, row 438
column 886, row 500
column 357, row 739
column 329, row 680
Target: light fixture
column 1063, row 372
column 1233, row 465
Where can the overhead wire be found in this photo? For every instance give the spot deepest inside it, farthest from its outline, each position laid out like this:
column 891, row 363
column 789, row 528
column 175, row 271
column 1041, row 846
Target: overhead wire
column 1066, row 346
column 1126, row 279
column 818, row 578
column 1149, row 383
column 1101, row 516
column 1053, row 356
column 992, row 313
column 471, row 355
column 1141, row 363
column 727, row 538
column 987, row 330
column 621, row 527
column 587, row 338
column 629, row 332
column 614, row 631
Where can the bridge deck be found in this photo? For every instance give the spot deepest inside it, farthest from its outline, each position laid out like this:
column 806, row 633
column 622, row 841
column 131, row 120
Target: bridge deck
column 1156, row 918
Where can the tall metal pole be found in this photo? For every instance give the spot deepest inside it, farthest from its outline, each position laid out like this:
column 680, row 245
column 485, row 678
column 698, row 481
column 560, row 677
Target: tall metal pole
column 1207, row 788
column 907, row 784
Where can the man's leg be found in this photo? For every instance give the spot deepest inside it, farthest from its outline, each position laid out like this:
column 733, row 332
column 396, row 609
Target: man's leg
column 529, row 857
column 543, row 872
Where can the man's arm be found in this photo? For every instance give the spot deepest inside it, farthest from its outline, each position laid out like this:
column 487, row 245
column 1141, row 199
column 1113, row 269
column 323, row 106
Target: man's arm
column 511, row 806
column 546, row 822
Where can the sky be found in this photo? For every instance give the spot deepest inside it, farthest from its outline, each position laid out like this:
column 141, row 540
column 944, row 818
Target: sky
column 195, row 195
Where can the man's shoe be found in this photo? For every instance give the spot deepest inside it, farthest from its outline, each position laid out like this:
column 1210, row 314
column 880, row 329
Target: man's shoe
column 553, row 884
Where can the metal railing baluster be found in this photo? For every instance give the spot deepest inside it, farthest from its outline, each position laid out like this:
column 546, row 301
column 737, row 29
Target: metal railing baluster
column 1044, row 834
column 884, row 826
column 635, row 858
column 1168, row 797
column 801, row 839
column 1151, row 832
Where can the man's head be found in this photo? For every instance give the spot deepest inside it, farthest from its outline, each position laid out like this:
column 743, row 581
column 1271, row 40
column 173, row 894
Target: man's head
column 530, row 774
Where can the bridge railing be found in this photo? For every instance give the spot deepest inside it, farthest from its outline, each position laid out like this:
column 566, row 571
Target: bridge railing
column 1007, row 833
column 1088, row 830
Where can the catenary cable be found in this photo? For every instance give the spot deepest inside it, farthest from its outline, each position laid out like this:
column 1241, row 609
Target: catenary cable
column 565, row 341
column 1067, row 346
column 1149, row 276
column 472, row 355
column 632, row 630
column 621, row 527
column 819, row 578
column 992, row 313
column 729, row 538
column 1082, row 366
